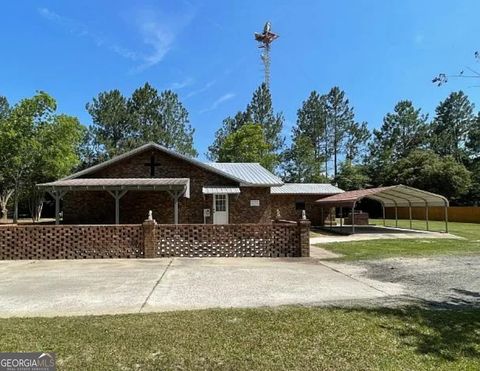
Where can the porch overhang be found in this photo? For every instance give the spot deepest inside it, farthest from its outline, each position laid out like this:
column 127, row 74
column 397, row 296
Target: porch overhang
column 119, row 184
column 117, row 188
column 222, row 190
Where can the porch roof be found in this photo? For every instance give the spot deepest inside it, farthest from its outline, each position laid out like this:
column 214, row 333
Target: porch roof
column 393, row 196
column 118, row 184
column 220, row 190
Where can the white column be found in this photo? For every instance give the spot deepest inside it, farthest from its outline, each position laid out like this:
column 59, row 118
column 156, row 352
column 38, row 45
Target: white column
column 57, row 196
column 117, row 195
column 175, row 208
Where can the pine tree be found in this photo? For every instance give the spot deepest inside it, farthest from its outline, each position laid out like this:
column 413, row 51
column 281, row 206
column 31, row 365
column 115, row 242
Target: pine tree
column 339, row 117
column 258, row 111
column 300, row 164
column 357, row 136
column 121, row 124
column 451, row 126
column 402, row 131
column 311, row 126
column 111, row 121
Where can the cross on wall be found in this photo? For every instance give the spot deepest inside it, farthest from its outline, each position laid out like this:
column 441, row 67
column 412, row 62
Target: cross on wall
column 152, row 165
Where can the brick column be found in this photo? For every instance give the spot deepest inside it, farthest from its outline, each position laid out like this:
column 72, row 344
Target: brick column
column 149, row 238
column 304, row 234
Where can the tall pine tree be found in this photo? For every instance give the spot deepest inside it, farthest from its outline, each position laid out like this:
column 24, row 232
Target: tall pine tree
column 258, row 111
column 121, row 124
column 339, row 117
column 402, row 131
column 454, row 120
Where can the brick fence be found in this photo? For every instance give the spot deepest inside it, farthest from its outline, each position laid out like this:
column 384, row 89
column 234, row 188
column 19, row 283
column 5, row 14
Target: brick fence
column 71, row 241
column 151, row 240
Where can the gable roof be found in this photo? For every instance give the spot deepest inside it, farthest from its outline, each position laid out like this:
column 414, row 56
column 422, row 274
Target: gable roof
column 265, row 178
column 249, row 172
column 306, row 189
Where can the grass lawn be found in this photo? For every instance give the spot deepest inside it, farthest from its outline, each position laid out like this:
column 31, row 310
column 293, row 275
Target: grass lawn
column 258, row 339
column 378, row 249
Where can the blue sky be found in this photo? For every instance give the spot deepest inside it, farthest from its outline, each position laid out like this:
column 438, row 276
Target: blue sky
column 379, row 52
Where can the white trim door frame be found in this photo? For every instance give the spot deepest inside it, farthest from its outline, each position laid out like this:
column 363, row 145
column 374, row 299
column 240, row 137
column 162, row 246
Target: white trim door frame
column 220, row 208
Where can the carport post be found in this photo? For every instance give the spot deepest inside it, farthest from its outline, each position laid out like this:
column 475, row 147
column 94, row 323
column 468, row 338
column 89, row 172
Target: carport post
column 410, row 213
column 426, row 216
column 396, row 215
column 321, row 216
column 383, row 210
column 341, row 216
column 353, row 219
column 446, row 218
column 330, row 216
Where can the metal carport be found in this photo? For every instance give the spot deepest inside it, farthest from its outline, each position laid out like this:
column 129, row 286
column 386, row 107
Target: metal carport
column 393, row 196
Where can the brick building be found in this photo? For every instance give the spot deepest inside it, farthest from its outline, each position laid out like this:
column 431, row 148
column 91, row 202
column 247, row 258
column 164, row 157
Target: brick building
column 179, row 189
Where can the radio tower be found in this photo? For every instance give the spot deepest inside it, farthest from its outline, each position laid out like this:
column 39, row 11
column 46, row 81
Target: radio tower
column 265, row 39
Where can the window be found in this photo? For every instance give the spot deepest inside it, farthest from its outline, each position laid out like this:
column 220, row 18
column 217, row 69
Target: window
column 220, row 202
column 300, row 205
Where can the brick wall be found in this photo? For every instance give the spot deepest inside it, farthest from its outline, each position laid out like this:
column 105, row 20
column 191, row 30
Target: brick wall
column 233, row 240
column 285, row 204
column 154, row 240
column 98, row 207
column 71, row 242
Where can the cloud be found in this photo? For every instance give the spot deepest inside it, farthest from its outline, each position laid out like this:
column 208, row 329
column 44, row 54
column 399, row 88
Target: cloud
column 201, row 90
column 157, row 33
column 177, row 85
column 81, row 30
column 218, row 102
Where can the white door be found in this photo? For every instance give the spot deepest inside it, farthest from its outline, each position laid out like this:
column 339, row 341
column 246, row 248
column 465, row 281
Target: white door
column 220, row 209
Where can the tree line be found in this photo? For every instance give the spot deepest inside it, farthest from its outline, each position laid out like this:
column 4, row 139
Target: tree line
column 38, row 144
column 327, row 143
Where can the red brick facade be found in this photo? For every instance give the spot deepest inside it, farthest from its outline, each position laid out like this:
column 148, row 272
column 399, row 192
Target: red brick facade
column 285, row 205
column 98, row 207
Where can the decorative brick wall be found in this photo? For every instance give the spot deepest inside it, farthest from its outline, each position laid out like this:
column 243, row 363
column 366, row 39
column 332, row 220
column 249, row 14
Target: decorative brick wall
column 233, row 240
column 71, row 242
column 151, row 240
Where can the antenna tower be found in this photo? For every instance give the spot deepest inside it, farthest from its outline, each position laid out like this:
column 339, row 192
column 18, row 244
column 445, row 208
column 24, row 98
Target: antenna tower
column 265, row 39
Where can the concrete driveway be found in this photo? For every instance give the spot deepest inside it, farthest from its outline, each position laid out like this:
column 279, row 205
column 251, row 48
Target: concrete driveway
column 72, row 287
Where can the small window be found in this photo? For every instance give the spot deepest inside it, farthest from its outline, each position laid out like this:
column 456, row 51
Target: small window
column 300, row 205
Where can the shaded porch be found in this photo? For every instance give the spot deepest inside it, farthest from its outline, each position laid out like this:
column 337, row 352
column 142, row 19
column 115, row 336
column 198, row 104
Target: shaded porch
column 117, row 188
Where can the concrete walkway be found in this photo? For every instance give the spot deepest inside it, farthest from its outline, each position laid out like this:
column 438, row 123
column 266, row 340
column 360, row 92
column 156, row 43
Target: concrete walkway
column 382, row 233
column 73, row 287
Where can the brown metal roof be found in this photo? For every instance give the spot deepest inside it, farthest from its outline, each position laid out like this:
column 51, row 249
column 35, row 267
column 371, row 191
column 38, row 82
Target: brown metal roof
column 398, row 195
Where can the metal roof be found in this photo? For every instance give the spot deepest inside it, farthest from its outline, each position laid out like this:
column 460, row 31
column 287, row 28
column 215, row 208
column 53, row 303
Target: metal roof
column 306, row 189
column 250, row 173
column 398, row 195
column 220, row 190
column 99, row 184
column 263, row 176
